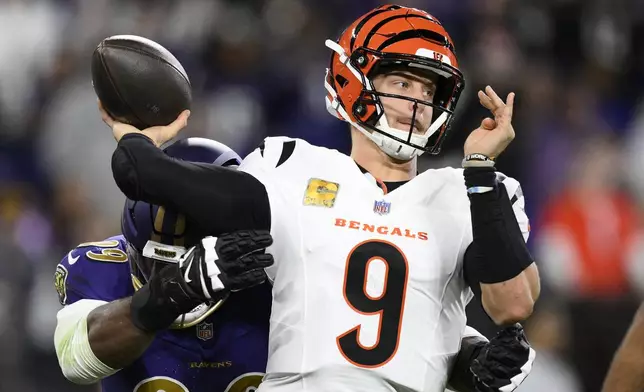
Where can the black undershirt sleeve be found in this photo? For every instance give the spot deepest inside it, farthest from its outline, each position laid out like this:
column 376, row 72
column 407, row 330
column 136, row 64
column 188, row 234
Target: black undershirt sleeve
column 498, row 251
column 469, row 261
column 218, row 199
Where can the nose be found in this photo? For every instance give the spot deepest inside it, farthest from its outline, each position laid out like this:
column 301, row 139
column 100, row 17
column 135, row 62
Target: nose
column 420, row 107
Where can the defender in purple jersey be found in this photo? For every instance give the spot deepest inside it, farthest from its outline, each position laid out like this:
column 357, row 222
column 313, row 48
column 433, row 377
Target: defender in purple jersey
column 123, row 325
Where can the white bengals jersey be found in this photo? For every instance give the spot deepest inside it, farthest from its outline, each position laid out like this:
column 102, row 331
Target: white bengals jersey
column 368, row 288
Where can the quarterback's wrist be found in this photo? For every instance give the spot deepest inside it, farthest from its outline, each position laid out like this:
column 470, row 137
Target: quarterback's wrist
column 134, row 135
column 479, row 179
column 477, row 160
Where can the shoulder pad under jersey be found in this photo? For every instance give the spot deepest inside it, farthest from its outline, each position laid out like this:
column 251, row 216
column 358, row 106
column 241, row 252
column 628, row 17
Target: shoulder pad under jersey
column 515, row 193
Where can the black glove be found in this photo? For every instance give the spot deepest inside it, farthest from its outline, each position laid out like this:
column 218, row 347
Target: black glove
column 503, row 363
column 207, row 272
column 229, row 263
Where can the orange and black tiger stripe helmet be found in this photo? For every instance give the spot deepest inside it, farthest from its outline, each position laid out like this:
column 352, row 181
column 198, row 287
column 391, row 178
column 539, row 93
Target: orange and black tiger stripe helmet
column 385, row 38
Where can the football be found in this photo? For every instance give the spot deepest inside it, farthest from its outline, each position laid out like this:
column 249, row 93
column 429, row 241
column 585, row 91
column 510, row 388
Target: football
column 139, row 82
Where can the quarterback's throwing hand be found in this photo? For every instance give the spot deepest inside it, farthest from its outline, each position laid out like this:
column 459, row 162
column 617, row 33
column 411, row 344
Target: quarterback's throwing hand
column 504, row 362
column 159, row 134
column 493, row 135
column 232, row 262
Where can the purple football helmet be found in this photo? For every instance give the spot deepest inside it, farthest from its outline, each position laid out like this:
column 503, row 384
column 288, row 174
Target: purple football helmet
column 142, row 221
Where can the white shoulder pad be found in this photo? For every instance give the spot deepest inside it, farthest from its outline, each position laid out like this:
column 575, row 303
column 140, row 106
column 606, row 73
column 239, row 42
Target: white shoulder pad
column 272, row 153
column 513, row 187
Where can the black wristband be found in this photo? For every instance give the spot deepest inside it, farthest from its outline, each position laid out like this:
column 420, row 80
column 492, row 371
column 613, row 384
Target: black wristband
column 479, row 176
column 501, row 252
column 160, row 301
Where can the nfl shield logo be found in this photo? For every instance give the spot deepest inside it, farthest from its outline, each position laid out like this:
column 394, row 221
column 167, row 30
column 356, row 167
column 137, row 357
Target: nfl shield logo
column 204, row 331
column 381, row 207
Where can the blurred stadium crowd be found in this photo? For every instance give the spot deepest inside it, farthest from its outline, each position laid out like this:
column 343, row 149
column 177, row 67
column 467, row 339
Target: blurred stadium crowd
column 257, row 69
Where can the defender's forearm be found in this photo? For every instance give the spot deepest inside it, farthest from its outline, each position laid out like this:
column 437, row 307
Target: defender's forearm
column 113, row 337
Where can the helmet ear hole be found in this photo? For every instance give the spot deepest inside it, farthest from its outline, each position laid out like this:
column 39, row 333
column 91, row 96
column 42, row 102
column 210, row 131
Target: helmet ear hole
column 366, row 108
column 341, row 80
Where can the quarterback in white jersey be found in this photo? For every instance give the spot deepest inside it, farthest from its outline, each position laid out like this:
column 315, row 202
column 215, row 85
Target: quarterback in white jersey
column 368, row 279
column 375, row 263
column 364, row 277
column 370, row 290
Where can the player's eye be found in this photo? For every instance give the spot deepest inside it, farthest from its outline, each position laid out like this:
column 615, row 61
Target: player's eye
column 402, row 84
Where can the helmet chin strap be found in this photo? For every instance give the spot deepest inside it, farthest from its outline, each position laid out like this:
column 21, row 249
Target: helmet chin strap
column 396, row 149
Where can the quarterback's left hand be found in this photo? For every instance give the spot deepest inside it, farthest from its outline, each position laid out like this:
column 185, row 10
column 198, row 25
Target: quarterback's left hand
column 504, row 362
column 494, row 135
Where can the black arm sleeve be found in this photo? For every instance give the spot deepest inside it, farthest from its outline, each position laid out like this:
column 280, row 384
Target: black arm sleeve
column 216, row 198
column 472, row 253
column 461, row 379
column 498, row 251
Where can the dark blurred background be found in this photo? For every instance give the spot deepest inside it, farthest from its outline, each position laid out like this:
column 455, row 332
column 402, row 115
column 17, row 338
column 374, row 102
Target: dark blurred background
column 257, row 69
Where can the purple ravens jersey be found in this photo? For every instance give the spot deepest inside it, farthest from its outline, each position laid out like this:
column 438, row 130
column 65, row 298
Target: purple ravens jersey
column 226, row 352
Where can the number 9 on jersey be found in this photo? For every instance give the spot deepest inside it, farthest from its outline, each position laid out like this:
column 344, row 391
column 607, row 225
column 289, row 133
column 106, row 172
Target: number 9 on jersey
column 389, row 305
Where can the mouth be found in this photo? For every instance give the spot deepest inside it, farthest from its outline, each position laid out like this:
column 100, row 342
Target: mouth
column 408, row 122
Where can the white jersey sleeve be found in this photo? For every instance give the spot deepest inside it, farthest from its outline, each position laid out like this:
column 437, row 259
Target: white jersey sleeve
column 515, row 193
